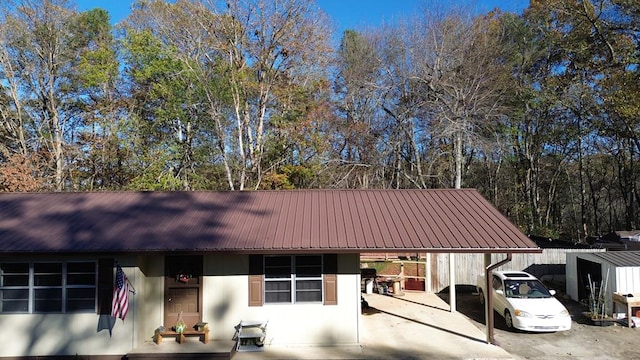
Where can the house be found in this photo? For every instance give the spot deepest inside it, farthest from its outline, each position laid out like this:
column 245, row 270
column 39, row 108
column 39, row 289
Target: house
column 215, row 257
column 619, row 240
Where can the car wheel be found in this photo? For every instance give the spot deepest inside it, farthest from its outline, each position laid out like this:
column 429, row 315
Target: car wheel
column 508, row 319
column 481, row 293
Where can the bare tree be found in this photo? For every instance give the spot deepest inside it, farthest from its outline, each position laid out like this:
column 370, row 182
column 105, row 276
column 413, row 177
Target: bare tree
column 360, row 123
column 457, row 62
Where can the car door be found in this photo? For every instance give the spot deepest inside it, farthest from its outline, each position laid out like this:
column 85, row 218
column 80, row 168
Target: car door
column 499, row 300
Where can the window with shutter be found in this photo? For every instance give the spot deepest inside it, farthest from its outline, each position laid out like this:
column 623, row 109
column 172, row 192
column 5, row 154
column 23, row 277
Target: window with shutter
column 292, row 279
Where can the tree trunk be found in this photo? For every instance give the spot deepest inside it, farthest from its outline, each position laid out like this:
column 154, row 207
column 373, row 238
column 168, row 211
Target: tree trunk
column 458, row 159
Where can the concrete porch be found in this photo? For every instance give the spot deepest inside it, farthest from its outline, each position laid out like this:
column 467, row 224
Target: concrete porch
column 417, row 325
column 192, row 349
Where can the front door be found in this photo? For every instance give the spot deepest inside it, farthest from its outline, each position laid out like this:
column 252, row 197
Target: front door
column 183, row 290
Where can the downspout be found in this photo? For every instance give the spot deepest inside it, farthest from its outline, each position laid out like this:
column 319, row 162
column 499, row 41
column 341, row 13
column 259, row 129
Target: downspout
column 488, row 278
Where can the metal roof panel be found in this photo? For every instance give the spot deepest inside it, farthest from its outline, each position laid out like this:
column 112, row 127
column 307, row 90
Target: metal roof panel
column 257, row 221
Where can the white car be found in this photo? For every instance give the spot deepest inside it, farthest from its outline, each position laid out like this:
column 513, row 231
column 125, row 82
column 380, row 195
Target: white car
column 525, row 303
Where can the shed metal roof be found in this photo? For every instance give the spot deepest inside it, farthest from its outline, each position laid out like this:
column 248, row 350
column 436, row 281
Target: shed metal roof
column 443, row 220
column 620, row 258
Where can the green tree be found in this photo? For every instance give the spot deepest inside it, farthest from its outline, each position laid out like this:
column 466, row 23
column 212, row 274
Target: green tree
column 160, row 124
column 100, row 156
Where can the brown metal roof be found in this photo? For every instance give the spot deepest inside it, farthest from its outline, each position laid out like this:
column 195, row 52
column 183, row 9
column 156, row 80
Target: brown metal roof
column 257, row 221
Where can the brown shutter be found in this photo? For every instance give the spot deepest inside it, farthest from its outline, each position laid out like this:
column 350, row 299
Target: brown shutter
column 330, row 279
column 255, row 280
column 105, row 286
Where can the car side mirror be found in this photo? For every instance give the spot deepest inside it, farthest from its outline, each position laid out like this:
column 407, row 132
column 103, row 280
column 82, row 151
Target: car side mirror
column 552, row 292
column 500, row 292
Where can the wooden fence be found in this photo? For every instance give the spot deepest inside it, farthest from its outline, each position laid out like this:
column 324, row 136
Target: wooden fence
column 469, row 266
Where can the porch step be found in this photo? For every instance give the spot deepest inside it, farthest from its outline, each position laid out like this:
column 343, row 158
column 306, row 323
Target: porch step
column 190, row 350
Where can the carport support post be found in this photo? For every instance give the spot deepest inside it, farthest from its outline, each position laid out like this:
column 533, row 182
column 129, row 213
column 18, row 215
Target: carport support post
column 427, row 272
column 452, row 282
column 488, row 286
column 488, row 314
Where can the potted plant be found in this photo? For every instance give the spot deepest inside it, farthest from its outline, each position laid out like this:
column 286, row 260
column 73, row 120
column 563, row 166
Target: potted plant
column 180, row 325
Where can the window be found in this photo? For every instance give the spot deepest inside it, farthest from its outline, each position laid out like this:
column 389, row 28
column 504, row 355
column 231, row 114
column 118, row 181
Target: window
column 287, row 279
column 497, row 283
column 14, row 288
column 292, row 279
column 48, row 287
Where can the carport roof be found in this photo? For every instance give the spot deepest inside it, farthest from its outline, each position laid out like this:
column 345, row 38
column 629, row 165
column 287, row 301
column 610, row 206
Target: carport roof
column 353, row 221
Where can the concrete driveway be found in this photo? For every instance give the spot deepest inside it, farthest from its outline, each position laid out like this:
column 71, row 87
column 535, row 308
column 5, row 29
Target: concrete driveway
column 419, row 325
column 416, row 325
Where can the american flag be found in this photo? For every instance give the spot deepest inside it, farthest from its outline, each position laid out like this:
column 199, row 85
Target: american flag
column 120, row 305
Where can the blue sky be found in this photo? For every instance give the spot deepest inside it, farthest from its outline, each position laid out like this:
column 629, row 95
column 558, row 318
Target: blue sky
column 347, row 14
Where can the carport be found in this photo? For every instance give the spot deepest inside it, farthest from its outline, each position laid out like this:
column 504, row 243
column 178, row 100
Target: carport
column 456, row 221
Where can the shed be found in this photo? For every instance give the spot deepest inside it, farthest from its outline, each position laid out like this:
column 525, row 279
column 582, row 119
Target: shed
column 622, row 267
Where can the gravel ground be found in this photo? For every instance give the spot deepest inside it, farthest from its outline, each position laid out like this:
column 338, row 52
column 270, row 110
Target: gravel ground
column 583, row 341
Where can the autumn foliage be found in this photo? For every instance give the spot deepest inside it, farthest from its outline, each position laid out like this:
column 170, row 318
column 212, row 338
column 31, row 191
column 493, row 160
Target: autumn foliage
column 538, row 110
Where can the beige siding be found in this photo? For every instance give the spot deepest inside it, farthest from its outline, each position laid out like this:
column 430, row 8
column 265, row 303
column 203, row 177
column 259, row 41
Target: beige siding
column 225, row 304
column 225, row 299
column 37, row 335
column 151, row 294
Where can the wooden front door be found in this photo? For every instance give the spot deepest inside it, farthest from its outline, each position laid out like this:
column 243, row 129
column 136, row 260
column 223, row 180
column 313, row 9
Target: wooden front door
column 183, row 290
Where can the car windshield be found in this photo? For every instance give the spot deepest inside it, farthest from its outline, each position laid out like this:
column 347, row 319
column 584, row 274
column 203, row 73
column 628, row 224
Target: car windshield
column 525, row 289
